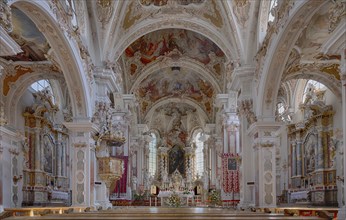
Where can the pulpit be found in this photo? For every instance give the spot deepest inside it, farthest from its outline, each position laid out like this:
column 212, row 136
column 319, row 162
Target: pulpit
column 110, row 170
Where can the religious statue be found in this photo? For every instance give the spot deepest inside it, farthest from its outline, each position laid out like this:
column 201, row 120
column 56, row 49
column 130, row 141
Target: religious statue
column 176, row 178
column 189, row 175
column 134, row 183
column 146, row 180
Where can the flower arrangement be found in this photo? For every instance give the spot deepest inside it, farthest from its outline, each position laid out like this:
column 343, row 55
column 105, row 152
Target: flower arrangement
column 174, row 200
column 138, row 196
column 186, row 192
column 214, row 197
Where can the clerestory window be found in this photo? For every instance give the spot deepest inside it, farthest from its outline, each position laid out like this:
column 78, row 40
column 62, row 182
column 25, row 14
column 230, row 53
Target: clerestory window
column 152, row 154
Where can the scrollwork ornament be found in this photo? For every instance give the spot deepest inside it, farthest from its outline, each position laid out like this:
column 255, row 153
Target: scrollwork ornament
column 336, row 13
column 5, row 16
column 104, row 10
column 3, row 119
column 241, row 11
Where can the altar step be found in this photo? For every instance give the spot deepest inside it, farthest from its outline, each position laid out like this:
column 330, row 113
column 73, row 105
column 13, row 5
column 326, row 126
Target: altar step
column 125, row 213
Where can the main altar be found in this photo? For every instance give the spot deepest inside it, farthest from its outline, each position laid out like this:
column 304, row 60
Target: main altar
column 177, row 185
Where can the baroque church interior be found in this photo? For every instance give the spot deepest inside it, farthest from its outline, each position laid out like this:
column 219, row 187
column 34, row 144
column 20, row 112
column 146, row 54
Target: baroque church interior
column 173, row 103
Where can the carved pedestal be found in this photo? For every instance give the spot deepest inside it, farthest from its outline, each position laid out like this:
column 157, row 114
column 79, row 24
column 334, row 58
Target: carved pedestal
column 110, row 171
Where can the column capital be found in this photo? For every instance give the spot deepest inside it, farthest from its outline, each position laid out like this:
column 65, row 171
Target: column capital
column 265, row 129
column 83, row 126
column 241, row 75
column 227, row 102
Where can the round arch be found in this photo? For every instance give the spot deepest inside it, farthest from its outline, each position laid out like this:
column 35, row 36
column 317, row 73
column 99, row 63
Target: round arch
column 67, row 54
column 22, row 85
column 278, row 53
column 329, row 82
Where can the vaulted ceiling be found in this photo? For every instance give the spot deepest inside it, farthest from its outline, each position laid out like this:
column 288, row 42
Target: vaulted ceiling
column 181, row 51
column 175, row 51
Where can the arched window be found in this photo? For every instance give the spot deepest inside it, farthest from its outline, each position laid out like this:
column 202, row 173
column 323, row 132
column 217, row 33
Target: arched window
column 152, row 154
column 273, row 4
column 281, row 108
column 281, row 112
column 41, row 85
column 199, row 153
column 311, row 87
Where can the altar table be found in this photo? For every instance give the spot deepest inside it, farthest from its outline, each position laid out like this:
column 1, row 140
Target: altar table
column 299, row 195
column 163, row 195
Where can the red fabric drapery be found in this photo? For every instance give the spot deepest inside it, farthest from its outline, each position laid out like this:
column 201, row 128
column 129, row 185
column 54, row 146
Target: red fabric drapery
column 122, row 182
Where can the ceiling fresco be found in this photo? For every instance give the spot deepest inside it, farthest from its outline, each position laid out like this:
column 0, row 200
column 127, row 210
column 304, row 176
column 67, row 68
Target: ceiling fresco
column 28, row 37
column 174, row 44
column 165, row 2
column 314, row 35
column 175, row 83
column 160, row 42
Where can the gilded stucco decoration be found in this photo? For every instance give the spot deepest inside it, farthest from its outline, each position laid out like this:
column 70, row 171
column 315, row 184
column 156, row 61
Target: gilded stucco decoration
column 328, row 68
column 214, row 15
column 5, row 16
column 3, row 118
column 245, row 108
column 104, row 9
column 241, row 10
column 12, row 78
column 132, row 15
column 337, row 12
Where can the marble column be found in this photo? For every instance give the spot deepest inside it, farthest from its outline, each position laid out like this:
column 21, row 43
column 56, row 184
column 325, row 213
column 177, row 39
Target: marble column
column 163, row 165
column 342, row 210
column 320, row 154
column 294, row 159
column 63, row 159
column 1, row 178
column 58, row 155
column 265, row 143
column 37, row 148
column 11, row 169
column 81, row 158
column 299, row 157
column 243, row 80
